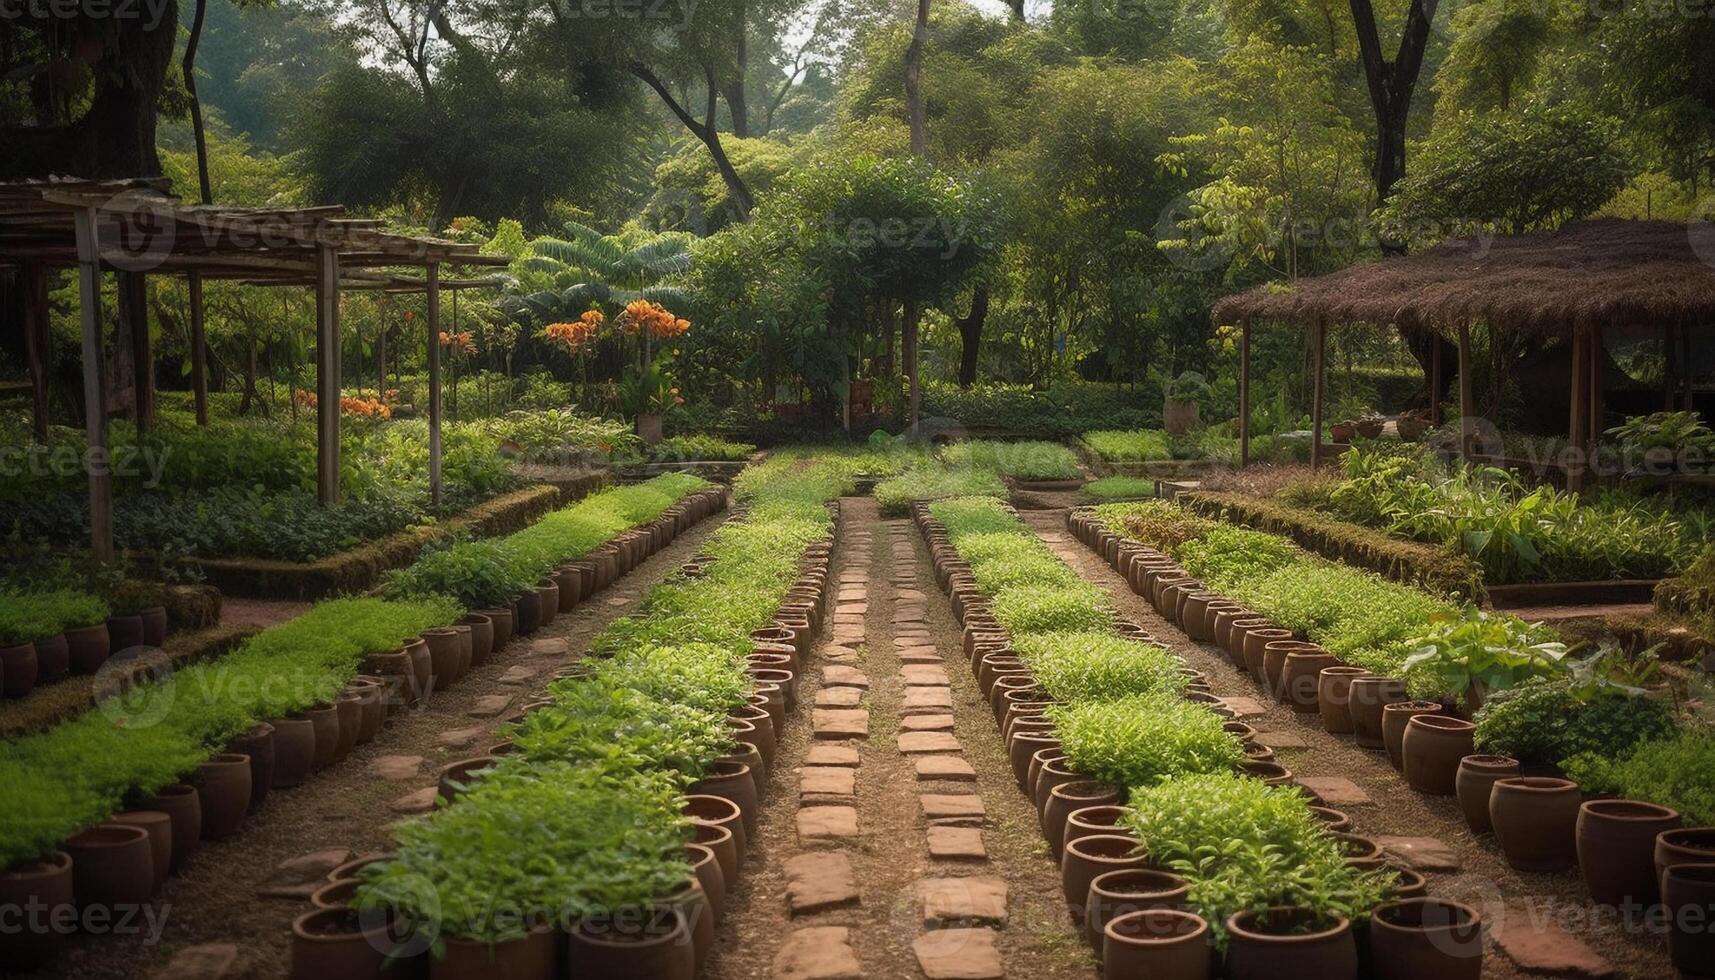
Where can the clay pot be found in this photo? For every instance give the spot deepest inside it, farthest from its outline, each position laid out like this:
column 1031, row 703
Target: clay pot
column 1536, row 822
column 1237, row 634
column 1432, row 749
column 1426, row 939
column 1066, row 799
column 1395, row 717
column 334, row 894
column 1333, row 694
column 707, row 869
column 1052, row 773
column 125, row 632
column 1408, row 884
column 353, row 870
column 481, row 637
column 720, row 842
column 1286, row 943
column 732, row 781
column 1095, row 820
column 294, row 750
column 443, row 657
column 1021, row 746
column 371, row 695
column 47, row 888
column 693, row 903
column 747, row 756
column 349, row 708
column 112, row 865
column 500, row 623
column 1301, row 678
column 1688, row 891
column 1161, row 944
column 1331, row 819
column 1085, row 858
column 1256, row 651
column 53, row 659
column 528, row 616
column 458, row 776
column 17, row 670
column 258, row 745
column 1616, row 849
column 159, row 827
column 1117, row 893
column 183, row 803
column 154, row 625
column 1688, row 845
column 1359, row 852
column 339, row 942
column 1366, row 697
column 654, row 945
column 324, row 718
column 534, row 957
column 1033, row 777
column 223, row 786
column 1274, row 656
column 1271, row 773
column 1475, row 779
column 88, row 647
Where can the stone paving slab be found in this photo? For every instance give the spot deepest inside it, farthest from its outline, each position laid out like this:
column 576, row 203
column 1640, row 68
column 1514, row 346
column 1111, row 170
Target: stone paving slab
column 827, row 822
column 958, row 954
column 1421, row 853
column 839, row 697
column 831, row 754
column 1540, row 946
column 953, row 806
column 957, row 843
column 840, row 723
column 817, row 953
column 927, row 723
column 820, row 880
column 949, row 767
column 973, row 900
column 839, row 676
column 1336, row 791
column 828, row 780
column 918, row 743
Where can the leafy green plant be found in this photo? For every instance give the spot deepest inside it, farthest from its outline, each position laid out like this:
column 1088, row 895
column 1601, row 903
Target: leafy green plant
column 1096, row 666
column 1129, row 445
column 1019, row 460
column 1474, row 652
column 1063, row 609
column 1120, row 488
column 1141, row 740
column 1675, row 432
column 26, row 617
column 1187, row 387
column 930, row 482
column 1545, row 720
column 1675, row 772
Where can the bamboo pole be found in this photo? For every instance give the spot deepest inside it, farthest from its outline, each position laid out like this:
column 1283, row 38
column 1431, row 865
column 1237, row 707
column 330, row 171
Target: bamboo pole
column 94, row 398
column 327, row 374
column 1245, row 393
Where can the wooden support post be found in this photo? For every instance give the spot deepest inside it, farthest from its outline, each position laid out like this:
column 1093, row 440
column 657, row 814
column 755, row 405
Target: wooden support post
column 134, row 319
column 1245, row 393
column 434, row 318
column 1598, row 397
column 199, row 348
column 1670, row 365
column 1467, row 396
column 34, row 281
column 94, row 398
column 1686, row 372
column 1575, row 421
column 1318, row 392
column 1435, row 378
column 327, row 375
column 909, row 337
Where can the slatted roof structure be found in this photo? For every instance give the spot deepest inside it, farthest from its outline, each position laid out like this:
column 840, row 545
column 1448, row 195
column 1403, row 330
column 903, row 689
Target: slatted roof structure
column 133, row 229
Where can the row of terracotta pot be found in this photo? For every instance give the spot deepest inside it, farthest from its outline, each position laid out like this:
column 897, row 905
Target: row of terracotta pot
column 1542, row 824
column 670, row 941
column 82, row 650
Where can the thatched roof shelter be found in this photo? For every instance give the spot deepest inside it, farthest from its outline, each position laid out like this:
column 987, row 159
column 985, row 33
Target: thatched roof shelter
column 1570, row 284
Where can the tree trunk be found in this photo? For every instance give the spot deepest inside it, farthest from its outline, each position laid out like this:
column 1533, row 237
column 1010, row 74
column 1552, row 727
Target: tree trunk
column 196, row 103
column 707, row 133
column 971, row 333
column 1017, row 8
column 733, row 91
column 914, row 82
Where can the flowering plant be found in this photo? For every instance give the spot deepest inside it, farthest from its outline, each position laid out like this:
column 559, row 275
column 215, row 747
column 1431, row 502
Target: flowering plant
column 644, row 316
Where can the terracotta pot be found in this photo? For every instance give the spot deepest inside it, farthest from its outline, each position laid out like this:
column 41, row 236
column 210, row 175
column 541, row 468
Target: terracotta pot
column 1160, row 944
column 734, row 782
column 1688, row 845
column 1395, row 717
column 1085, row 858
column 1021, row 746
column 1359, row 852
column 154, row 625
column 53, row 659
column 1331, row 819
column 349, row 709
column 535, row 957
column 422, row 671
column 1065, row 800
column 88, row 647
column 1194, row 615
column 1367, row 696
column 223, row 786
column 443, row 657
column 1688, row 891
column 183, row 803
column 341, row 943
column 334, row 894
column 1274, row 656
column 258, row 745
column 758, row 733
column 1271, row 773
column 1408, row 884
column 1290, row 944
column 125, row 632
column 549, row 594
column 325, row 719
column 528, row 617
column 747, row 756
column 371, row 694
column 352, row 870
column 17, row 670
column 707, row 869
column 655, row 945
column 294, row 750
column 500, row 622
column 1536, row 822
column 1117, row 893
column 481, row 637
column 1432, row 749
column 693, row 903
column 1300, row 678
column 1333, row 696
column 1426, row 939
column 1052, row 773
column 1256, row 651
column 1033, row 777
column 45, row 887
column 112, row 865
column 1473, row 782
column 1616, row 849
column 159, row 827
column 720, row 842
column 457, row 777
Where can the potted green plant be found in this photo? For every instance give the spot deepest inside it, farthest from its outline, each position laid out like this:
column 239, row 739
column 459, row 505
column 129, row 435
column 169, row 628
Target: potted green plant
column 1180, row 398
column 1655, row 443
column 648, row 394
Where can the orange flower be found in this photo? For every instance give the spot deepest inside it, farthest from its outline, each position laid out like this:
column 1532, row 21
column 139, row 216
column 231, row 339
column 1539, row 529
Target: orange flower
column 575, row 335
column 460, row 343
column 661, row 323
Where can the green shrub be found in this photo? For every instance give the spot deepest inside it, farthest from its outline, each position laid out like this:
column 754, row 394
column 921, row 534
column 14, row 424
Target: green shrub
column 1544, row 721
column 1129, row 446
column 1065, row 410
column 26, row 617
column 1677, row 772
column 1144, row 739
column 1120, row 487
column 1063, row 609
column 700, row 448
column 1096, row 666
column 931, row 482
column 1475, row 651
column 975, row 515
column 1019, row 460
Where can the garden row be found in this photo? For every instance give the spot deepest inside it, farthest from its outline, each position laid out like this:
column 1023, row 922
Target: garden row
column 188, row 756
column 1183, row 848
column 1465, row 703
column 601, row 836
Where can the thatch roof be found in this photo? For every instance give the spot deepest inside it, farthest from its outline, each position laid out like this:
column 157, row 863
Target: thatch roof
column 1607, row 272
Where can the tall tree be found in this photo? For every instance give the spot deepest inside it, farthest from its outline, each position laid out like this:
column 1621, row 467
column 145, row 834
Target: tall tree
column 1392, row 84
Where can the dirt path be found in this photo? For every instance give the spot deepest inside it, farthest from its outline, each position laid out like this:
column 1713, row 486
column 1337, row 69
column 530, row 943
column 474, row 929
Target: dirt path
column 349, row 808
column 1534, row 916
column 896, row 842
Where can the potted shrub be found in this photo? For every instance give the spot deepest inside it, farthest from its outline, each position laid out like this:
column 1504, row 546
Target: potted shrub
column 1180, row 398
column 20, row 626
column 83, row 620
column 46, row 884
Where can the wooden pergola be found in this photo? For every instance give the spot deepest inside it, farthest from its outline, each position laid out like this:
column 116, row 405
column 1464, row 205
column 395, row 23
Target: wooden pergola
column 1570, row 284
column 135, row 229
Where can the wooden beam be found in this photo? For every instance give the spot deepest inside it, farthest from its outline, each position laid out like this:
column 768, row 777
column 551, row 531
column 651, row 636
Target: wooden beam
column 1436, row 369
column 1575, row 421
column 199, row 348
column 327, row 376
column 133, row 304
column 1318, row 391
column 94, row 398
column 34, row 282
column 1467, row 392
column 434, row 340
column 1245, row 393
